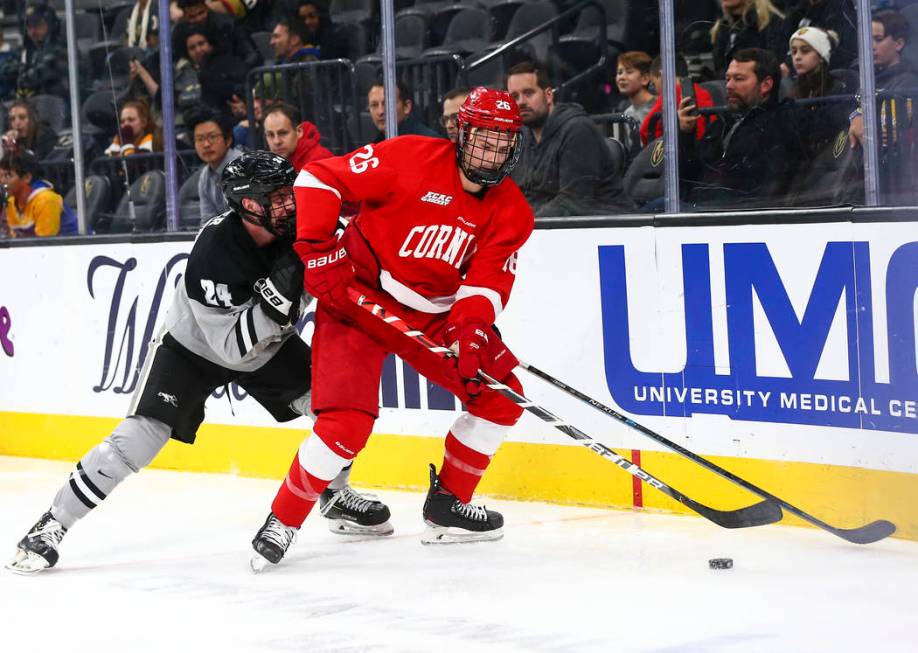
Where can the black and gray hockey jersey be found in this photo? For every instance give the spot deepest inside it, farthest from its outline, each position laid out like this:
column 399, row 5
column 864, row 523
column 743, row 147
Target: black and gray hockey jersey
column 216, row 312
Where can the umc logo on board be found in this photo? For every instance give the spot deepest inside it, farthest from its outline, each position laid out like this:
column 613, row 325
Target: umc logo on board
column 753, row 285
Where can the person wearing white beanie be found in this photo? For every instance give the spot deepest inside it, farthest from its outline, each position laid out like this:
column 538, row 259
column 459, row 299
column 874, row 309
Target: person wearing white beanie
column 811, row 52
column 820, row 124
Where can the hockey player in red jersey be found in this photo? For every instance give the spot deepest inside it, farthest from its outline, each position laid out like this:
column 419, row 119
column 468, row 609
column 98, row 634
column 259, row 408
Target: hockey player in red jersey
column 436, row 240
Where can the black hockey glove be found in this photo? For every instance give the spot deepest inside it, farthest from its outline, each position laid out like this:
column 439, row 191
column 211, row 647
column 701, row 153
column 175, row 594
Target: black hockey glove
column 280, row 292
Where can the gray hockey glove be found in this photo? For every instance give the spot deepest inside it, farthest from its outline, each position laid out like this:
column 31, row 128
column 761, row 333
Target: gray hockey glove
column 281, row 291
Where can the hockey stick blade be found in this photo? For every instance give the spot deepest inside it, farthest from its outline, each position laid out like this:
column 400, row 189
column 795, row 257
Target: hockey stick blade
column 759, row 514
column 866, row 534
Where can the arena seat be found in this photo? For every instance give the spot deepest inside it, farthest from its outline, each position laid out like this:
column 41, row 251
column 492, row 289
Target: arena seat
column 834, row 177
column 644, row 178
column 352, row 11
column 97, row 190
column 262, row 41
column 468, row 31
column 189, row 202
column 51, row 109
column 148, row 193
column 718, row 90
column 619, row 155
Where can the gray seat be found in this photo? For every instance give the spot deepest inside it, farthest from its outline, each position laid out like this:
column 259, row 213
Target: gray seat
column 833, row 177
column 88, row 29
column 718, row 90
column 644, row 179
column 529, row 16
column 410, row 39
column 190, row 202
column 263, row 43
column 97, row 191
column 148, row 193
column 51, row 109
column 468, row 31
column 352, row 11
column 619, row 155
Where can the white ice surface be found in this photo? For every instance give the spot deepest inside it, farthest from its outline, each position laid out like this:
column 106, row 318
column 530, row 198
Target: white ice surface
column 163, row 566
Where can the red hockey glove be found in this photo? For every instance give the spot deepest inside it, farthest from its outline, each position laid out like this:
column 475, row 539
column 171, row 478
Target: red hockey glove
column 328, row 271
column 469, row 341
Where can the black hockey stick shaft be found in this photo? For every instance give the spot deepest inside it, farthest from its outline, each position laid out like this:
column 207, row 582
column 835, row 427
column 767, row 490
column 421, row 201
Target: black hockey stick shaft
column 765, row 512
column 866, row 534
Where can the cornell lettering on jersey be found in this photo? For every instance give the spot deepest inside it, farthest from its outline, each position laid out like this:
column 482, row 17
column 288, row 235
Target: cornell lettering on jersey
column 440, row 241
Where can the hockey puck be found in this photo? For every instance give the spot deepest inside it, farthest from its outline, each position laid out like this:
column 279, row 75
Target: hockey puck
column 720, row 563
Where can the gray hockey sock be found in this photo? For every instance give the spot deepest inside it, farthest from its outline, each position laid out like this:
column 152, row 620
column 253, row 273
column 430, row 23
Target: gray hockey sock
column 132, row 445
column 342, row 478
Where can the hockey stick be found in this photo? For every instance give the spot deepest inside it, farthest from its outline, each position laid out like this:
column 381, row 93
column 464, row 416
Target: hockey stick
column 866, row 534
column 765, row 512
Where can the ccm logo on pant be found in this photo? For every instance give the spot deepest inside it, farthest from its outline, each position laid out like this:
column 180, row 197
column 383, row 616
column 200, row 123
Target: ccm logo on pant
column 328, row 259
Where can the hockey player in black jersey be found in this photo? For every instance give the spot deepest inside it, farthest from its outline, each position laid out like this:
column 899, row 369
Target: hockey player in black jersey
column 231, row 320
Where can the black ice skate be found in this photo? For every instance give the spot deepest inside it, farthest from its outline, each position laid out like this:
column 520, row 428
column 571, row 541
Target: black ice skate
column 271, row 542
column 351, row 513
column 38, row 549
column 450, row 521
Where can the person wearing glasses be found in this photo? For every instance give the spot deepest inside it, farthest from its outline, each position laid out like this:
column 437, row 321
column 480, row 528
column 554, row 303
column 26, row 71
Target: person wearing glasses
column 213, row 143
column 451, row 103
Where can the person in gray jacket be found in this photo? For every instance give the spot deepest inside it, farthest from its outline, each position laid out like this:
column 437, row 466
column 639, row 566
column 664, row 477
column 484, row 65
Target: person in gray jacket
column 566, row 168
column 213, row 142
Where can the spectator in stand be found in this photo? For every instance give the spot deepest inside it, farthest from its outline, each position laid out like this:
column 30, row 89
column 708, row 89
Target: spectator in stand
column 240, row 112
column 321, row 33
column 746, row 156
column 894, row 75
column 451, row 103
column 812, row 50
column 250, row 15
column 295, row 139
column 837, row 16
column 137, row 131
column 652, row 127
column 632, row 77
column 404, row 104
column 747, row 24
column 33, row 208
column 566, row 167
column 27, row 131
column 223, row 32
column 40, row 66
column 289, row 42
column 213, row 143
column 202, row 74
column 142, row 25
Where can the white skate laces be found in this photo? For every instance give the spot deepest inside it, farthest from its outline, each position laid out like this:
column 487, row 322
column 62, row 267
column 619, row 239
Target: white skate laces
column 469, row 511
column 276, row 533
column 347, row 499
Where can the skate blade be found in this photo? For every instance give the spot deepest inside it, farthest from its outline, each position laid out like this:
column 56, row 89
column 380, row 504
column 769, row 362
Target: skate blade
column 26, row 563
column 345, row 527
column 452, row 535
column 258, row 562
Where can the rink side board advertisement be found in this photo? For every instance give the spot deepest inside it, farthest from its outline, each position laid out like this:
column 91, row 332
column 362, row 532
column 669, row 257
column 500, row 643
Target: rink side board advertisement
column 787, row 353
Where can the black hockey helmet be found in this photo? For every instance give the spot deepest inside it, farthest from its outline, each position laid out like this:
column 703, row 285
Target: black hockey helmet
column 259, row 175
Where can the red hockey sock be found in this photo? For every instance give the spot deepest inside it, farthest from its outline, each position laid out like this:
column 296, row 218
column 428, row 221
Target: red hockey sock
column 297, row 495
column 462, row 468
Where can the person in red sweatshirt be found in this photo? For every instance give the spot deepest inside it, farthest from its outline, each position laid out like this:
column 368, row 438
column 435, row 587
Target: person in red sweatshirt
column 652, row 127
column 295, row 139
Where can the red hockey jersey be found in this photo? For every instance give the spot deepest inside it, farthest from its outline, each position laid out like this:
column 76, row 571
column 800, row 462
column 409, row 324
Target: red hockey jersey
column 435, row 242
